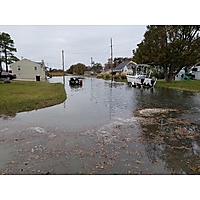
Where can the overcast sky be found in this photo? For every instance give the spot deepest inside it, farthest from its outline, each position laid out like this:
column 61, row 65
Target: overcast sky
column 83, row 29
column 79, row 42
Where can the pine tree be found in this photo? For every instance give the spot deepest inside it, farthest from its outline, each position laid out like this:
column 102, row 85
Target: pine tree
column 7, row 48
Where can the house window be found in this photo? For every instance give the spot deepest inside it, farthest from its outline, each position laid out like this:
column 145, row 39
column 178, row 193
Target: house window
column 35, row 68
column 18, row 68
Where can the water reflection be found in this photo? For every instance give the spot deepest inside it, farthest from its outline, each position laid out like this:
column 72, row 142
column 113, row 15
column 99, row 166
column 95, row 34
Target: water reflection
column 101, row 116
column 102, row 100
column 75, row 87
column 7, row 116
column 165, row 98
column 174, row 142
column 63, row 80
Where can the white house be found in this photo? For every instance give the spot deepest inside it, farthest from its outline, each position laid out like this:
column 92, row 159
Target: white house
column 125, row 67
column 27, row 69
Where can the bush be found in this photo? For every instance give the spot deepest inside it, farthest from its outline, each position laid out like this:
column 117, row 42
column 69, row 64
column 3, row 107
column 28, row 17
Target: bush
column 123, row 76
column 107, row 76
column 116, row 77
column 99, row 76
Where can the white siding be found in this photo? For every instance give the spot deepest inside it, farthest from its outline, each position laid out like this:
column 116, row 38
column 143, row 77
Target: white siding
column 179, row 76
column 128, row 70
column 197, row 73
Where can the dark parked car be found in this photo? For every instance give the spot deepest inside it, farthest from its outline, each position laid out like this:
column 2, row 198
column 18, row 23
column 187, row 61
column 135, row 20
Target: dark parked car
column 75, row 81
column 7, row 75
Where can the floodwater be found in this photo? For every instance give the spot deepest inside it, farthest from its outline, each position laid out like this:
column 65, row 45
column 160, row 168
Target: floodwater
column 105, row 127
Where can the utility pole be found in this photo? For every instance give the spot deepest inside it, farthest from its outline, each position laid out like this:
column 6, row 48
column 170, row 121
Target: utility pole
column 91, row 62
column 91, row 69
column 63, row 66
column 111, row 57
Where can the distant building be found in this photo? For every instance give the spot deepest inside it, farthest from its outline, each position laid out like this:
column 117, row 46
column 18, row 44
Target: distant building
column 125, row 67
column 87, row 73
column 27, row 69
column 180, row 76
column 196, row 71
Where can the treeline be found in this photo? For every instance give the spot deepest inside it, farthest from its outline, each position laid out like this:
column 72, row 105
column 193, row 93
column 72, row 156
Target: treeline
column 96, row 68
column 80, row 68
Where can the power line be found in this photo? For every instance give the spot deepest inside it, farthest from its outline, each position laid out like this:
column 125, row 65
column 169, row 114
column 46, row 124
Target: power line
column 89, row 52
column 85, row 49
column 125, row 51
column 130, row 26
column 126, row 43
column 70, row 52
column 86, row 52
column 105, row 55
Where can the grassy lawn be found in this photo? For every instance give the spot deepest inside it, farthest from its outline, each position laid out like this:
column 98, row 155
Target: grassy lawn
column 19, row 96
column 193, row 85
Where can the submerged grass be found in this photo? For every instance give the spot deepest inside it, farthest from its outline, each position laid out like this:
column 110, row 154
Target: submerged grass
column 19, row 96
column 192, row 86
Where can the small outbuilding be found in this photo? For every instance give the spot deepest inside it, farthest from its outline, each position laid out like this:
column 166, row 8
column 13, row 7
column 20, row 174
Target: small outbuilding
column 196, row 71
column 180, row 76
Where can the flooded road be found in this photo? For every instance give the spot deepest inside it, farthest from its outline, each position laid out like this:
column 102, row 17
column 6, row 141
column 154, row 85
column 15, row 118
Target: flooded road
column 105, row 127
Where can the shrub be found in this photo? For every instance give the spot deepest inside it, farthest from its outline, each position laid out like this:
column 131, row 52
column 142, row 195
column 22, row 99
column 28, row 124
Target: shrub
column 107, row 76
column 116, row 77
column 99, row 76
column 123, row 76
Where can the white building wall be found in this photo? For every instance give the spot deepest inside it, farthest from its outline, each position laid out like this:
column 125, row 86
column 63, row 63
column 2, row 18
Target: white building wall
column 26, row 69
column 125, row 70
column 128, row 70
column 197, row 73
column 179, row 76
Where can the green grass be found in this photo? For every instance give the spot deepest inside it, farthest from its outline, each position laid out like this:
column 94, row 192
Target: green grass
column 192, row 86
column 19, row 96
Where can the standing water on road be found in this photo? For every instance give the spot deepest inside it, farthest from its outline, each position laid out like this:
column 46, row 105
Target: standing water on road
column 105, row 127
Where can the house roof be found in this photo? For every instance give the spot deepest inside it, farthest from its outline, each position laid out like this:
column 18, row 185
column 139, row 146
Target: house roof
column 40, row 63
column 131, row 64
column 121, row 65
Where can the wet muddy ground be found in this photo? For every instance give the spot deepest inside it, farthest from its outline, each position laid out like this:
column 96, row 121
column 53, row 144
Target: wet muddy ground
column 126, row 131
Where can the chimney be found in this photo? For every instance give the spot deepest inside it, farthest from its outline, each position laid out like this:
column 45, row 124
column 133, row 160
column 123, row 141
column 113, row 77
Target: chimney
column 42, row 61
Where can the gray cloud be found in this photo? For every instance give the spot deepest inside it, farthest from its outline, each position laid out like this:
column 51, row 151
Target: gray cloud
column 79, row 42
